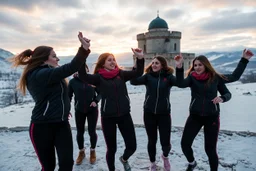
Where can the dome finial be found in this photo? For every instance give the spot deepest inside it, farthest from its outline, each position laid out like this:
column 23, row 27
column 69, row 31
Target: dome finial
column 157, row 13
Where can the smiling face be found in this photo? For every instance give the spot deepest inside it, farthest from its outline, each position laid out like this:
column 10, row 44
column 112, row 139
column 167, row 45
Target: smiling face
column 52, row 59
column 199, row 68
column 156, row 65
column 110, row 63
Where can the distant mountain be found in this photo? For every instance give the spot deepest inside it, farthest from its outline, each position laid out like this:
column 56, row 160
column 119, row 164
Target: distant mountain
column 5, row 66
column 222, row 61
column 227, row 61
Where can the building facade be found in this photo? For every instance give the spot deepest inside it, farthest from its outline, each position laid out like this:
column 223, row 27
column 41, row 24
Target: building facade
column 160, row 41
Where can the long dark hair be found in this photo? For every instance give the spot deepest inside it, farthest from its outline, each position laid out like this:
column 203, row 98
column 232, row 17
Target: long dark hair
column 164, row 64
column 31, row 59
column 208, row 68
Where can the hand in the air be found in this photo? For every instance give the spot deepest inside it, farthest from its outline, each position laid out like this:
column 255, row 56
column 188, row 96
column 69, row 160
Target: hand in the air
column 84, row 41
column 138, row 53
column 247, row 54
column 178, row 60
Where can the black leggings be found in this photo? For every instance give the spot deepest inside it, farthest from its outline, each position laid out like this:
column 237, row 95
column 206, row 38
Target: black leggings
column 46, row 137
column 126, row 127
column 211, row 130
column 163, row 124
column 92, row 118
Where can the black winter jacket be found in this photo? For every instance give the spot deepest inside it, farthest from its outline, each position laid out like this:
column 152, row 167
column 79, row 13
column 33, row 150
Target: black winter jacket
column 158, row 85
column 49, row 89
column 85, row 94
column 115, row 101
column 202, row 94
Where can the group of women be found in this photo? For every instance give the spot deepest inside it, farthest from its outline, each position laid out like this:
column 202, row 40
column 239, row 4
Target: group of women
column 50, row 130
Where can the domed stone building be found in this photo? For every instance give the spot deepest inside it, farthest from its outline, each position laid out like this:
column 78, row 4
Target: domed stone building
column 160, row 41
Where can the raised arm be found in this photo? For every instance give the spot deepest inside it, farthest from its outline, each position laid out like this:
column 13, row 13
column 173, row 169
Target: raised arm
column 54, row 75
column 138, row 68
column 93, row 79
column 180, row 81
column 142, row 80
column 237, row 73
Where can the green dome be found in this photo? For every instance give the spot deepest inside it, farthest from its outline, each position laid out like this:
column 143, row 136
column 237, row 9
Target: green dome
column 158, row 23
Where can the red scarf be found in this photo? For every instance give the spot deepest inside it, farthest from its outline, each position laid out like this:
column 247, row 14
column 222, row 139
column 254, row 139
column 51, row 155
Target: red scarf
column 108, row 74
column 203, row 76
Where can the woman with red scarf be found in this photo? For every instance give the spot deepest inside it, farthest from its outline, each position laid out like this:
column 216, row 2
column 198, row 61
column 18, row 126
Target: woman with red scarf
column 204, row 108
column 205, row 83
column 115, row 103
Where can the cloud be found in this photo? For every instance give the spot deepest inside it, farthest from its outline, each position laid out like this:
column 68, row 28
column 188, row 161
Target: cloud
column 27, row 5
column 228, row 21
column 12, row 22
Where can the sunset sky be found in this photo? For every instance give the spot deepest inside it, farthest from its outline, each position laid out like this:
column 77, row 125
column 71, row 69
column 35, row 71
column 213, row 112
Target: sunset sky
column 112, row 25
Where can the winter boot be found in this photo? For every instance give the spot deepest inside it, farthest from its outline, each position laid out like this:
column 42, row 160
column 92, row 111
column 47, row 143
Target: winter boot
column 126, row 165
column 152, row 166
column 191, row 166
column 92, row 156
column 167, row 165
column 80, row 157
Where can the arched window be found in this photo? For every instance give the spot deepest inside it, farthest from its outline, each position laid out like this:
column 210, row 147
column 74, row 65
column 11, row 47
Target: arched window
column 175, row 46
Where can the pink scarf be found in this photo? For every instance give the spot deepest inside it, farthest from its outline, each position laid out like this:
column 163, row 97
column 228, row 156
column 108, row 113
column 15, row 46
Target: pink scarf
column 203, row 76
column 108, row 74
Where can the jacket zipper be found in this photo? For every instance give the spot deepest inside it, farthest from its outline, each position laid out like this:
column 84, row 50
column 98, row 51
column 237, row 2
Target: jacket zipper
column 62, row 118
column 118, row 112
column 167, row 103
column 157, row 93
column 204, row 100
column 47, row 106
column 127, row 98
column 192, row 103
column 104, row 106
column 146, row 100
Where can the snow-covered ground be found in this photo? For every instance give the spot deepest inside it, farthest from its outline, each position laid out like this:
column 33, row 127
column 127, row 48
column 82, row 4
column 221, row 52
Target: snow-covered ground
column 236, row 149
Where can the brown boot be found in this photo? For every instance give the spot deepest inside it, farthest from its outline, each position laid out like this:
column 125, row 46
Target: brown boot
column 92, row 156
column 80, row 157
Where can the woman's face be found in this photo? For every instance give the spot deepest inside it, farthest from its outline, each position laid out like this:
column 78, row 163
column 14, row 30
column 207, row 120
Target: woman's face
column 52, row 59
column 199, row 67
column 110, row 63
column 156, row 65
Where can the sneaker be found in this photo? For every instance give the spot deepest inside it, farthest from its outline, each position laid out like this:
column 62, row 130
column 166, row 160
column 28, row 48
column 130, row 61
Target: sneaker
column 191, row 166
column 152, row 166
column 126, row 165
column 92, row 156
column 80, row 157
column 167, row 165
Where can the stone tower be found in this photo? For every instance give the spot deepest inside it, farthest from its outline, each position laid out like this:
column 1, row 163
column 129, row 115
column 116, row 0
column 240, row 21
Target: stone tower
column 160, row 41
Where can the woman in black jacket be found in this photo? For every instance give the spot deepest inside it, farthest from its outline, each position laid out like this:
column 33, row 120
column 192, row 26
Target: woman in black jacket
column 115, row 103
column 86, row 107
column 205, row 83
column 49, row 129
column 158, row 81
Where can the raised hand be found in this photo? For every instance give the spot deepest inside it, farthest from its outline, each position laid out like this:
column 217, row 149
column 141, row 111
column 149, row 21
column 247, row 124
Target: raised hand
column 84, row 41
column 247, row 54
column 138, row 53
column 217, row 100
column 178, row 60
